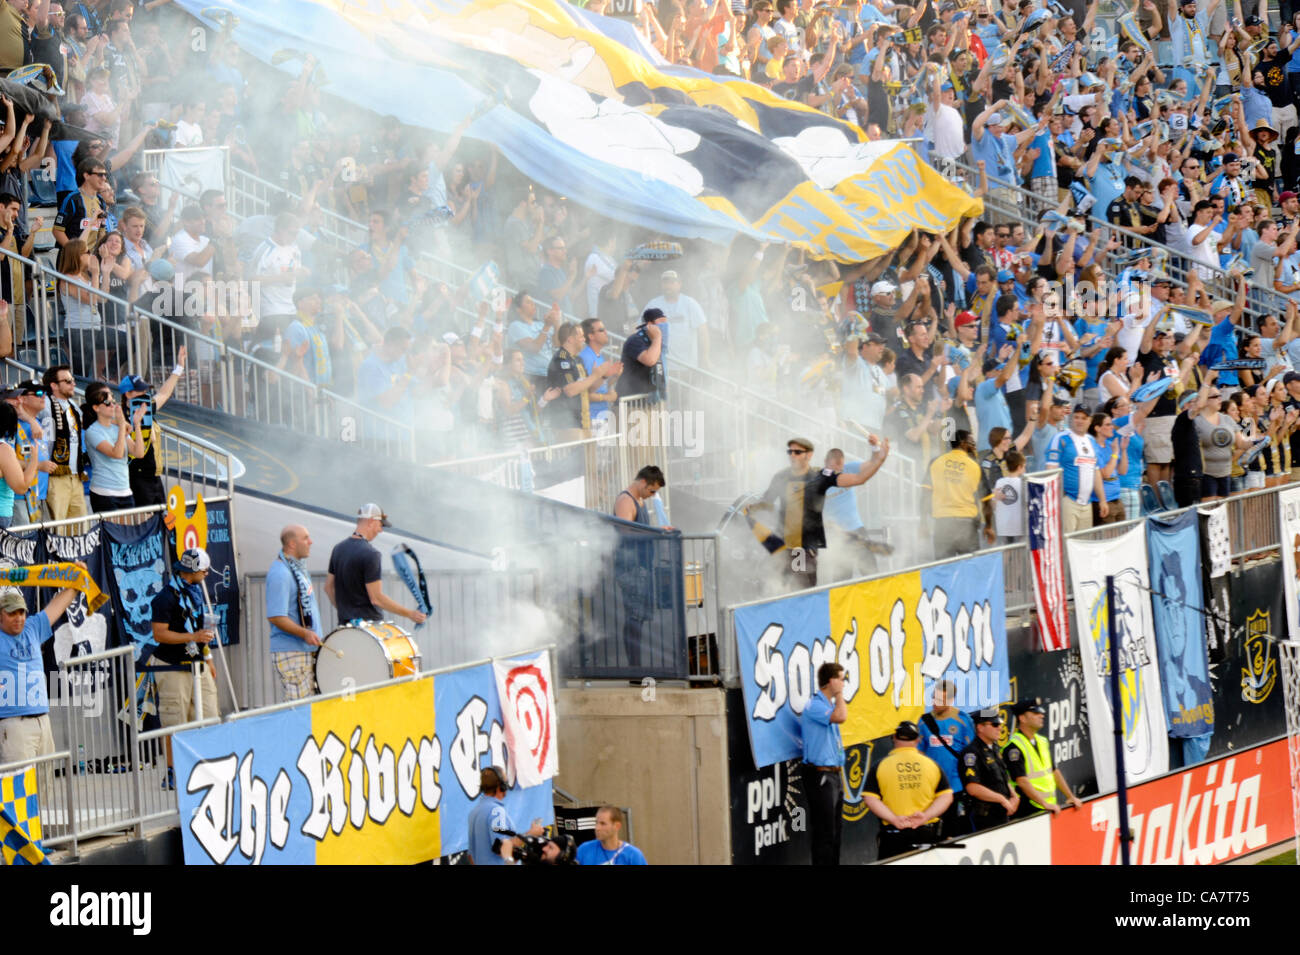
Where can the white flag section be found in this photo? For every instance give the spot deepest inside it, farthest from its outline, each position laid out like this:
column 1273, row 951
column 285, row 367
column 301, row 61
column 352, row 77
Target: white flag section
column 528, row 711
column 1288, row 509
column 1146, row 748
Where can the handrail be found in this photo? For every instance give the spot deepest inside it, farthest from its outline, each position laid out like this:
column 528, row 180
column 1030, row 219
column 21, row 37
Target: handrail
column 542, row 449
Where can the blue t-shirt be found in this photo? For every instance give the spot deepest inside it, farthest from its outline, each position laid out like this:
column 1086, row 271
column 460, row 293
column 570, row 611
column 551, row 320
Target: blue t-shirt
column 110, row 475
column 821, row 737
column 840, row 506
column 1043, row 166
column 1062, row 454
column 1105, row 186
column 537, row 363
column 42, row 449
column 1041, row 441
column 393, row 285
column 374, row 377
column 1132, row 478
column 992, row 411
column 1108, row 450
column 998, row 155
column 589, row 358
column 1084, row 327
column 1222, row 346
column 593, row 853
column 22, row 674
column 282, row 601
column 486, row 819
column 959, row 732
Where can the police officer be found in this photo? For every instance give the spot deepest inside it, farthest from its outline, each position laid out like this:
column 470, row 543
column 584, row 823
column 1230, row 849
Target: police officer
column 823, row 760
column 991, row 796
column 1028, row 757
column 908, row 792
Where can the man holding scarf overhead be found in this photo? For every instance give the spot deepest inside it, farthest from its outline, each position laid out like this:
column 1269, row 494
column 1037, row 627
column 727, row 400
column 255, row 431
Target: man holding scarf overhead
column 182, row 638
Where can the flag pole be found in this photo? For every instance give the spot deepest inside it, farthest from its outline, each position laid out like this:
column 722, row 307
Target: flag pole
column 1117, row 718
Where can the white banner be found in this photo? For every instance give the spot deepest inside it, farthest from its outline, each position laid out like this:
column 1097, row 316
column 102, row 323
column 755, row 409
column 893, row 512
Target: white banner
column 1028, row 842
column 1288, row 509
column 528, row 712
column 1146, row 747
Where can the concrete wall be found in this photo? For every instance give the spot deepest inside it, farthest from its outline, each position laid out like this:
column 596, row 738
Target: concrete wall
column 662, row 752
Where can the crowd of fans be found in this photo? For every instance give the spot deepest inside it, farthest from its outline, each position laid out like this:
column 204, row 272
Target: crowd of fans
column 1118, row 154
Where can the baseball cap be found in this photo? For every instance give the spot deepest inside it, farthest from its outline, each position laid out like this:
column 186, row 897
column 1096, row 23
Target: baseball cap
column 160, row 270
column 907, row 730
column 871, row 338
column 964, row 318
column 1287, row 195
column 883, row 287
column 132, row 383
column 11, row 601
column 451, row 338
column 651, row 314
column 1161, row 280
column 1031, row 705
column 670, row 274
column 1230, row 157
column 373, row 512
column 194, row 560
column 1219, row 304
column 1289, row 377
column 29, row 387
column 990, row 714
column 1061, row 401
column 1006, row 275
column 997, row 119
column 991, row 364
column 1253, row 21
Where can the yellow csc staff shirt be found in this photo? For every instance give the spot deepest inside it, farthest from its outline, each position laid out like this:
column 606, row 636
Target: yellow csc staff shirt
column 956, row 479
column 906, row 781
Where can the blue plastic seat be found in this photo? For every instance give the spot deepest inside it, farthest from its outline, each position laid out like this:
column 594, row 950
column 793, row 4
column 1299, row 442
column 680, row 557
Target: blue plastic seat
column 1167, row 496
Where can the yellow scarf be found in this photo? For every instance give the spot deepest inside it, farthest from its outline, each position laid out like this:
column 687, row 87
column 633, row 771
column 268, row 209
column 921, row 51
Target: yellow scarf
column 56, row 575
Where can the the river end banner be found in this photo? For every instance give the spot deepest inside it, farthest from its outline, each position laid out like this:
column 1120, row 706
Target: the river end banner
column 1146, row 750
column 894, row 636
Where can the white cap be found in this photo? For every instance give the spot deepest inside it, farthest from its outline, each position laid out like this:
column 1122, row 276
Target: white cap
column 883, row 287
column 194, row 560
column 373, row 512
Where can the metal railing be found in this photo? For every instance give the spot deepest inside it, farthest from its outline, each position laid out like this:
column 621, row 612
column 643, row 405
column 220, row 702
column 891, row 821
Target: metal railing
column 1028, row 208
column 705, row 613
column 474, row 611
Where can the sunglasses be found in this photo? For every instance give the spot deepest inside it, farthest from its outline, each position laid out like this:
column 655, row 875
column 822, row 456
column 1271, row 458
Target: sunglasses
column 795, row 451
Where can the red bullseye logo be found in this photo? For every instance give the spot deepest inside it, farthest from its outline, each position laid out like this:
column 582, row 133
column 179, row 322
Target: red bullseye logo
column 528, row 699
column 191, row 538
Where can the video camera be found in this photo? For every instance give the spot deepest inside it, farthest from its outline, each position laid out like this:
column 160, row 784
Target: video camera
column 535, row 849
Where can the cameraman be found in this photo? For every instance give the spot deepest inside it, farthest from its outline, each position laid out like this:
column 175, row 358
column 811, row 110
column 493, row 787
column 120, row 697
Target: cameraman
column 489, row 821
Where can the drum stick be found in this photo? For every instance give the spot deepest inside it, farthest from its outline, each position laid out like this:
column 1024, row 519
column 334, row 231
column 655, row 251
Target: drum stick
column 334, row 650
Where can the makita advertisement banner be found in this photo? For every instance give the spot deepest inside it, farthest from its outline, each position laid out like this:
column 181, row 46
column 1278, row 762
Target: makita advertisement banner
column 1208, row 814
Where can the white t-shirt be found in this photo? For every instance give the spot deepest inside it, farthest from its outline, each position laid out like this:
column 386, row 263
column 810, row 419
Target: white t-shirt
column 685, row 318
column 272, row 259
column 1206, row 254
column 183, row 244
column 605, row 268
column 1009, row 507
column 945, row 129
column 186, row 135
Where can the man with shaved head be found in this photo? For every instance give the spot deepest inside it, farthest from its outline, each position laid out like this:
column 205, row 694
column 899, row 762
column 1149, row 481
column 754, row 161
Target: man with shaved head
column 294, row 615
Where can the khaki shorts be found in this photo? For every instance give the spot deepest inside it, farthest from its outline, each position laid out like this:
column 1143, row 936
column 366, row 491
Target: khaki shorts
column 1158, row 435
column 176, row 694
column 1075, row 516
column 25, row 737
column 66, row 497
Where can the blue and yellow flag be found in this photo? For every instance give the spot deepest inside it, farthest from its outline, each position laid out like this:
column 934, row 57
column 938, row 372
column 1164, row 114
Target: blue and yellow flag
column 666, row 148
column 20, row 820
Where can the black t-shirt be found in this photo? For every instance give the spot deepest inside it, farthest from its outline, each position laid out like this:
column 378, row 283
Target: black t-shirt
column 1152, row 363
column 908, row 364
column 1275, row 84
column 1292, row 404
column 167, row 609
column 565, row 411
column 638, row 379
column 72, row 218
column 807, row 492
column 354, row 563
column 1187, row 448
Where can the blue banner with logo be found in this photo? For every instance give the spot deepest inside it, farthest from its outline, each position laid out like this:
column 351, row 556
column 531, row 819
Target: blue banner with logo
column 1176, row 601
column 223, row 579
column 138, row 557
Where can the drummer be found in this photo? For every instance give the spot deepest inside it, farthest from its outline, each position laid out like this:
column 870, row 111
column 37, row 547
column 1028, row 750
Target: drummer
column 294, row 615
column 353, row 584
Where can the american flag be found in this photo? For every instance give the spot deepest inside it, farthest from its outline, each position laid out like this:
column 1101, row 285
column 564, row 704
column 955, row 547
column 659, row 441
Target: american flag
column 1045, row 553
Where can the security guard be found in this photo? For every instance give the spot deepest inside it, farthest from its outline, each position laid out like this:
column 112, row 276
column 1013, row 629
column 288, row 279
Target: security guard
column 908, row 793
column 823, row 763
column 992, row 798
column 1028, row 756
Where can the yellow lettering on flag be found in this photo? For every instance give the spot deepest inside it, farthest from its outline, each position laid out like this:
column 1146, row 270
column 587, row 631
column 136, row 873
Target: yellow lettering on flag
column 56, row 575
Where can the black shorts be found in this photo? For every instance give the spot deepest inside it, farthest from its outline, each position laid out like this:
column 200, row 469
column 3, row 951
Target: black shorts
column 1215, row 486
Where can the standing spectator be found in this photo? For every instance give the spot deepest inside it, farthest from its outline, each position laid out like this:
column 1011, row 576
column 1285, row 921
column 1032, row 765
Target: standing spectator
column 294, row 615
column 558, row 274
column 191, row 251
column 643, row 357
column 15, row 476
column 570, row 413
column 103, row 113
column 596, row 339
column 534, row 336
column 31, row 441
column 600, row 269
column 823, row 763
column 1028, row 758
column 1009, row 501
column 687, row 324
column 1155, row 357
column 394, row 269
column 1075, row 453
column 25, row 731
column 1188, row 465
column 145, row 471
column 62, row 421
column 354, row 584
column 1220, row 437
column 945, row 732
column 913, row 422
column 908, row 793
column 81, row 213
column 991, row 793
column 990, row 400
column 276, row 270
column 957, row 489
column 522, row 240
column 1112, row 464
column 608, row 848
column 383, row 378
column 108, row 440
column 308, row 342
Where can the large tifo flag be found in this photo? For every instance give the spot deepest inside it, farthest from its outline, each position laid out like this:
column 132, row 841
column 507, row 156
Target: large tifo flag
column 580, row 107
column 1141, row 706
column 1048, row 561
column 528, row 710
column 20, row 820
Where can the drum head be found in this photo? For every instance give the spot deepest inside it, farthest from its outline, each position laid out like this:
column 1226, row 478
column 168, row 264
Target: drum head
column 363, row 662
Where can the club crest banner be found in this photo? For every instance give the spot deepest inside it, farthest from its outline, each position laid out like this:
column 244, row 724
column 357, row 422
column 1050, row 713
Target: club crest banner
column 1146, row 751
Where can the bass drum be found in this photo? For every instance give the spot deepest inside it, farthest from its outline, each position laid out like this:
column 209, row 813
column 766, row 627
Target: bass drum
column 367, row 652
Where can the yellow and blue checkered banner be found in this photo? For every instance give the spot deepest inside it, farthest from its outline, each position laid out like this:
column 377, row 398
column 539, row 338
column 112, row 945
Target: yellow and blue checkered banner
column 894, row 636
column 590, row 114
column 1146, row 751
column 385, row 776
column 20, row 819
